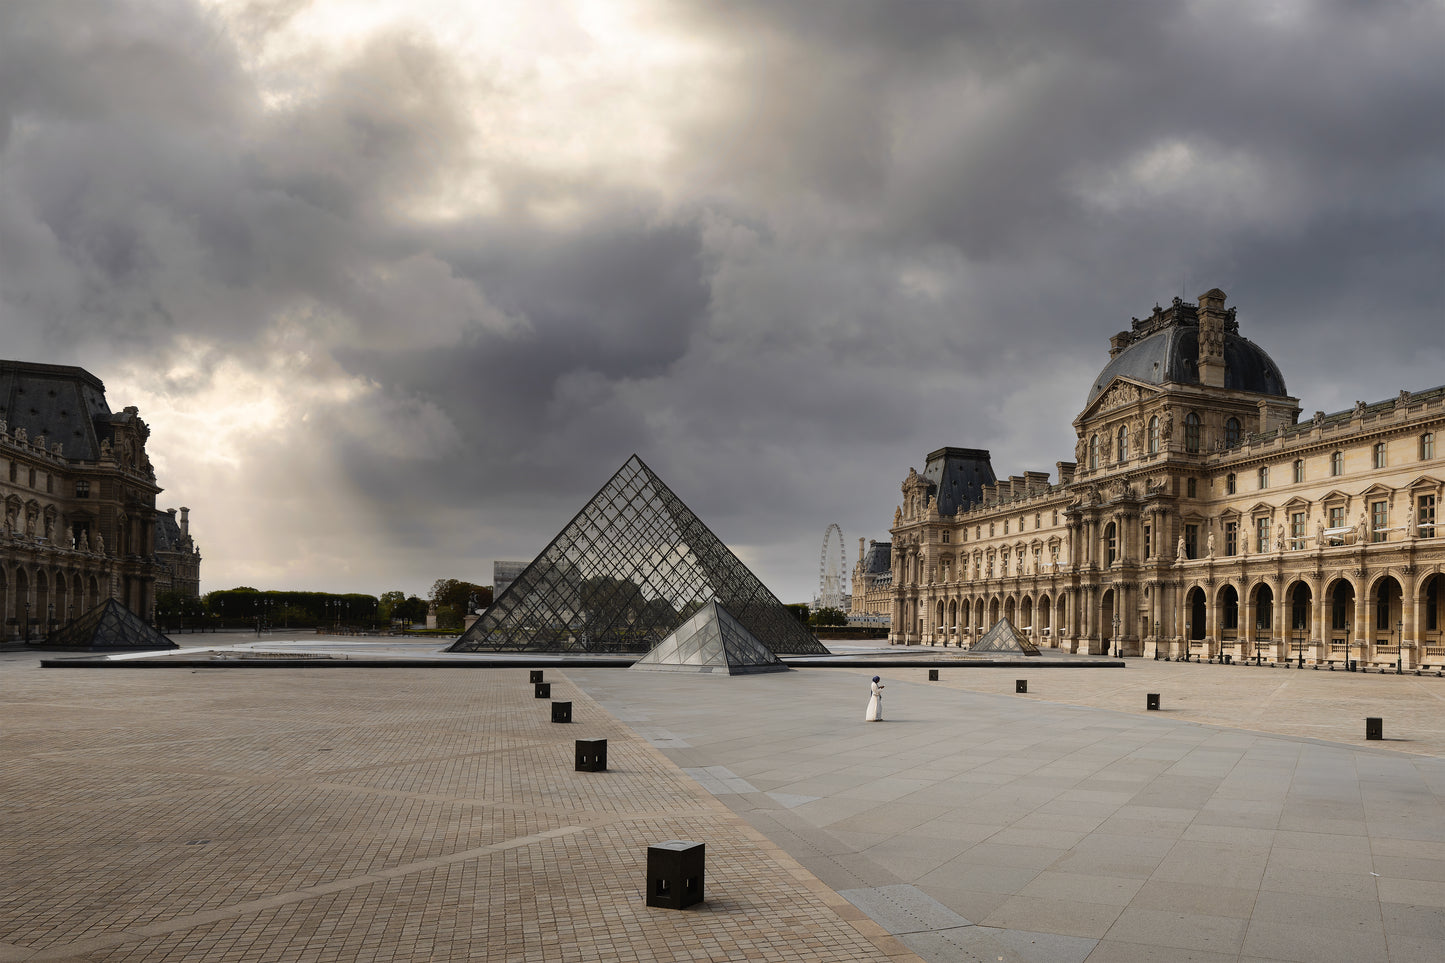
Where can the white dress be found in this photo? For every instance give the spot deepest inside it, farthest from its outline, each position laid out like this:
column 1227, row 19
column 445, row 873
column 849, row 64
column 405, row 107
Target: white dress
column 875, row 704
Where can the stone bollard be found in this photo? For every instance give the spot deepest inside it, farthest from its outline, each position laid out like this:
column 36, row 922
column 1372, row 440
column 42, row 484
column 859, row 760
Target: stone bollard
column 1374, row 727
column 1151, row 700
column 561, row 712
column 1021, row 685
column 542, row 690
column 675, row 873
column 536, row 676
column 591, row 755
column 932, row 675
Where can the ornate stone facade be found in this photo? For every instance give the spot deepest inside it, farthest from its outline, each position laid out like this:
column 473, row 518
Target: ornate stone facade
column 79, row 497
column 1201, row 517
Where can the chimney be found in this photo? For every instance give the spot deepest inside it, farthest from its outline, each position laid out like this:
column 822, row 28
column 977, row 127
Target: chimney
column 1212, row 318
column 185, row 521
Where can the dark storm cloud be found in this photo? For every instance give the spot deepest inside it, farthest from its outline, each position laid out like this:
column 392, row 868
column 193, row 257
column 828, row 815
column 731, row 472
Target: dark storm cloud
column 875, row 229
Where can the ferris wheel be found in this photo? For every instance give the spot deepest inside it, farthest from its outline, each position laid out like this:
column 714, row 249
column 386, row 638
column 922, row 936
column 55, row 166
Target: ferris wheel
column 832, row 571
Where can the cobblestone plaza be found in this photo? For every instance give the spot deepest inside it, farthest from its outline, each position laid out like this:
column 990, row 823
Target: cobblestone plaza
column 434, row 814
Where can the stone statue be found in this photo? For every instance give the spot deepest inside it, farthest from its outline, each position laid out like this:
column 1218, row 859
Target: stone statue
column 1318, row 419
column 1080, row 450
column 21, row 435
column 1167, row 431
column 10, row 520
column 70, row 535
column 1179, row 548
column 1279, row 545
column 3, row 426
column 1361, row 528
column 50, row 529
column 32, row 526
column 1320, row 533
column 1210, row 545
column 84, row 543
column 897, row 516
column 1410, row 522
column 99, row 544
column 1359, row 410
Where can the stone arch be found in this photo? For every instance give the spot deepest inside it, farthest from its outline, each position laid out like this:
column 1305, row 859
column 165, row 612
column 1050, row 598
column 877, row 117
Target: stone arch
column 1010, row 612
column 1340, row 609
column 21, row 611
column 1261, row 598
column 1387, row 609
column 1299, row 616
column 993, row 611
column 1196, row 614
column 1026, row 613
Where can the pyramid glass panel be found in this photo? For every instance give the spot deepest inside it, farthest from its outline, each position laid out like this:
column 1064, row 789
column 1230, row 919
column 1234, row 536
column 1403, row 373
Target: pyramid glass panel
column 1003, row 637
column 711, row 640
column 110, row 625
column 630, row 568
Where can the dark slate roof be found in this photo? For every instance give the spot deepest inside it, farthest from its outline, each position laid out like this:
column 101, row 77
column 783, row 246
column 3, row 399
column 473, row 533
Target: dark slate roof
column 958, row 476
column 168, row 532
column 878, row 558
column 1172, row 355
column 58, row 401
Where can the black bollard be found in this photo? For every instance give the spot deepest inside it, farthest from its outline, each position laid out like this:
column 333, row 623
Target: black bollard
column 591, row 755
column 932, row 675
column 1021, row 685
column 536, row 676
column 675, row 873
column 542, row 690
column 1151, row 700
column 561, row 712
column 1374, row 727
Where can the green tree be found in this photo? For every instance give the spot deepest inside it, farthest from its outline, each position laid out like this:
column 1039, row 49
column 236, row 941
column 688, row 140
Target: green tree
column 800, row 611
column 387, row 602
column 829, row 616
column 455, row 598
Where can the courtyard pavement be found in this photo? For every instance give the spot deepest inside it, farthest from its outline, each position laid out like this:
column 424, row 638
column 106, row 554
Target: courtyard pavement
column 434, row 814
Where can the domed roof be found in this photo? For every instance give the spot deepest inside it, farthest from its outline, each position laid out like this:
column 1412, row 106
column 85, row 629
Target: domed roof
column 1166, row 349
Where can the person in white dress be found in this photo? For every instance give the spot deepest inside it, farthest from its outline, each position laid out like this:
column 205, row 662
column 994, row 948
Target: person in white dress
column 875, row 703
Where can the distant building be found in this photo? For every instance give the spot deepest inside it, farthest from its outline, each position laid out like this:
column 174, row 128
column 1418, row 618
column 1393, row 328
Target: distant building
column 872, row 598
column 1200, row 516
column 504, row 573
column 79, row 494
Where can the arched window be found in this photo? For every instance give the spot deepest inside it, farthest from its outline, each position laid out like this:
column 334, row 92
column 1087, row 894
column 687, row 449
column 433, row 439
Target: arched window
column 1427, row 446
column 1380, row 455
column 1229, row 483
column 1093, row 452
column 1111, row 543
column 1191, row 432
column 1123, row 443
column 1299, row 470
column 1264, row 477
column 1337, row 463
column 1154, row 435
column 1231, row 432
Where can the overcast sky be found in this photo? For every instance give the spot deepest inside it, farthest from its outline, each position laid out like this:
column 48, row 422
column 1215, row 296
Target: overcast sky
column 398, row 284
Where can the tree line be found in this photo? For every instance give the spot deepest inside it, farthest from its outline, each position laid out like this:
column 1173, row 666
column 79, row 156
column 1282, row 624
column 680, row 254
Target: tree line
column 246, row 605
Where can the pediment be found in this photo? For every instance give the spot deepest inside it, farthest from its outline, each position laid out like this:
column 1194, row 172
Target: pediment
column 1424, row 481
column 1377, row 489
column 1121, row 393
column 1297, row 502
column 1335, row 495
column 1260, row 508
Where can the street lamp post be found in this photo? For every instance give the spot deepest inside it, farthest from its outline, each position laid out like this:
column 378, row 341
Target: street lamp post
column 1118, row 645
column 27, row 620
column 1399, row 646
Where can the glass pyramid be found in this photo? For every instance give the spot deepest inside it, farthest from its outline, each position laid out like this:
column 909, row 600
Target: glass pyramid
column 110, row 625
column 632, row 566
column 711, row 641
column 1003, row 637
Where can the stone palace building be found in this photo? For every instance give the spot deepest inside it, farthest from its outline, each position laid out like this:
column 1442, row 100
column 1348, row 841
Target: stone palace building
column 79, row 497
column 1200, row 516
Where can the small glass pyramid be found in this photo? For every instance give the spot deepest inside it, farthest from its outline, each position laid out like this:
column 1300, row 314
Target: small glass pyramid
column 110, row 625
column 631, row 567
column 711, row 641
column 1003, row 637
